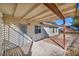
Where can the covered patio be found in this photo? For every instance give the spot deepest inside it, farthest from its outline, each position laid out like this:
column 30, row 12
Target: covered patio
column 29, row 15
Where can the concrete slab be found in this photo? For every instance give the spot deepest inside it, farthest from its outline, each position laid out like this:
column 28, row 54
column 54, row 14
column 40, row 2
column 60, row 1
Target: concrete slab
column 42, row 48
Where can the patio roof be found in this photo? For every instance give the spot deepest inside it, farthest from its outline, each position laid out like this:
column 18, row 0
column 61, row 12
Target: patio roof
column 27, row 13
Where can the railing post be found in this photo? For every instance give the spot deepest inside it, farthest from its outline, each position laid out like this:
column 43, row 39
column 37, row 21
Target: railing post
column 23, row 41
column 30, row 52
column 8, row 33
column 19, row 39
column 64, row 34
column 4, row 37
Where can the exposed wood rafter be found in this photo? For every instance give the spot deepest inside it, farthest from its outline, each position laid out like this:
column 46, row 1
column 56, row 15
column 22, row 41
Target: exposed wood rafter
column 30, row 19
column 54, row 9
column 14, row 10
column 76, row 10
column 33, row 8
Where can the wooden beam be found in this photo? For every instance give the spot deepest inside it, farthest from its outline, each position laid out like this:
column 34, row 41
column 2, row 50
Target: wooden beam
column 66, row 7
column 51, row 18
column 42, row 17
column 64, row 34
column 49, row 24
column 33, row 8
column 14, row 9
column 76, row 10
column 52, row 39
column 54, row 9
column 48, row 18
column 70, row 11
column 31, row 18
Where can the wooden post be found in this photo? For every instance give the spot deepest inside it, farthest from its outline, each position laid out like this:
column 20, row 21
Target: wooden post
column 64, row 34
column 76, row 11
column 64, row 37
column 4, row 38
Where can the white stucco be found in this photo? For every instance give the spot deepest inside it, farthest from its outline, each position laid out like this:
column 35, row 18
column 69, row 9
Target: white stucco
column 45, row 31
column 50, row 31
column 18, row 39
column 31, row 31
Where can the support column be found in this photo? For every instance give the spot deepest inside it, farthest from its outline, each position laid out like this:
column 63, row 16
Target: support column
column 64, row 34
column 4, row 37
column 1, row 28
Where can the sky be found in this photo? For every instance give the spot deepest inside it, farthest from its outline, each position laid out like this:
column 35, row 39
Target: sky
column 69, row 21
column 78, row 6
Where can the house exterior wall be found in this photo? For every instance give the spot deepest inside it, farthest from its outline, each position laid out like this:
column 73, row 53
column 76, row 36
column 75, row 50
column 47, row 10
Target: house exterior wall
column 51, row 31
column 45, row 31
column 14, row 37
column 31, row 32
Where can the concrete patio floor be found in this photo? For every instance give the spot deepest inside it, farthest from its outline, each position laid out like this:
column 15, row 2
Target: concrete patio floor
column 46, row 47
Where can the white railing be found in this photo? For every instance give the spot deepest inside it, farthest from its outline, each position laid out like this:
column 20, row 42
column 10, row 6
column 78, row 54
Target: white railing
column 17, row 37
column 12, row 38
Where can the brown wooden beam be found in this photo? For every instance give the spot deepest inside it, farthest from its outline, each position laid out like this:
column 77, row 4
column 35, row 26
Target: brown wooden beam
column 37, row 15
column 32, row 9
column 49, row 24
column 54, row 9
column 56, row 43
column 66, row 14
column 64, row 34
column 14, row 9
column 76, row 10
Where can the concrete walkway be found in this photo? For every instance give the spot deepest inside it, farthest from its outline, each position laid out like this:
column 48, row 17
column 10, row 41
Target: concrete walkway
column 47, row 47
column 42, row 48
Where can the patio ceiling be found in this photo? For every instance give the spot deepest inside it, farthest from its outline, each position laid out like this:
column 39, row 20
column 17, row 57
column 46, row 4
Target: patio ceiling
column 27, row 13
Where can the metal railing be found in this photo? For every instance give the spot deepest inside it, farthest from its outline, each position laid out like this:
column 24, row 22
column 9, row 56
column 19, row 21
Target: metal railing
column 11, row 38
column 16, row 37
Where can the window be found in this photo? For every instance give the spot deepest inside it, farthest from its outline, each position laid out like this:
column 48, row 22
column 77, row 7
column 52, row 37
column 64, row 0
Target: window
column 23, row 28
column 53, row 29
column 37, row 29
column 50, row 27
column 56, row 30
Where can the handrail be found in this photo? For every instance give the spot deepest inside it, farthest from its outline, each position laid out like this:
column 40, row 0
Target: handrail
column 20, row 33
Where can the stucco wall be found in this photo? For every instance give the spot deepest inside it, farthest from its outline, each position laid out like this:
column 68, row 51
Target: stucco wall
column 45, row 31
column 16, row 38
column 50, row 31
column 31, row 31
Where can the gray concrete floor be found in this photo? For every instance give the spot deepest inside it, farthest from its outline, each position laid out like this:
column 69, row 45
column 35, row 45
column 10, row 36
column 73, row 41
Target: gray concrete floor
column 47, row 48
column 42, row 48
